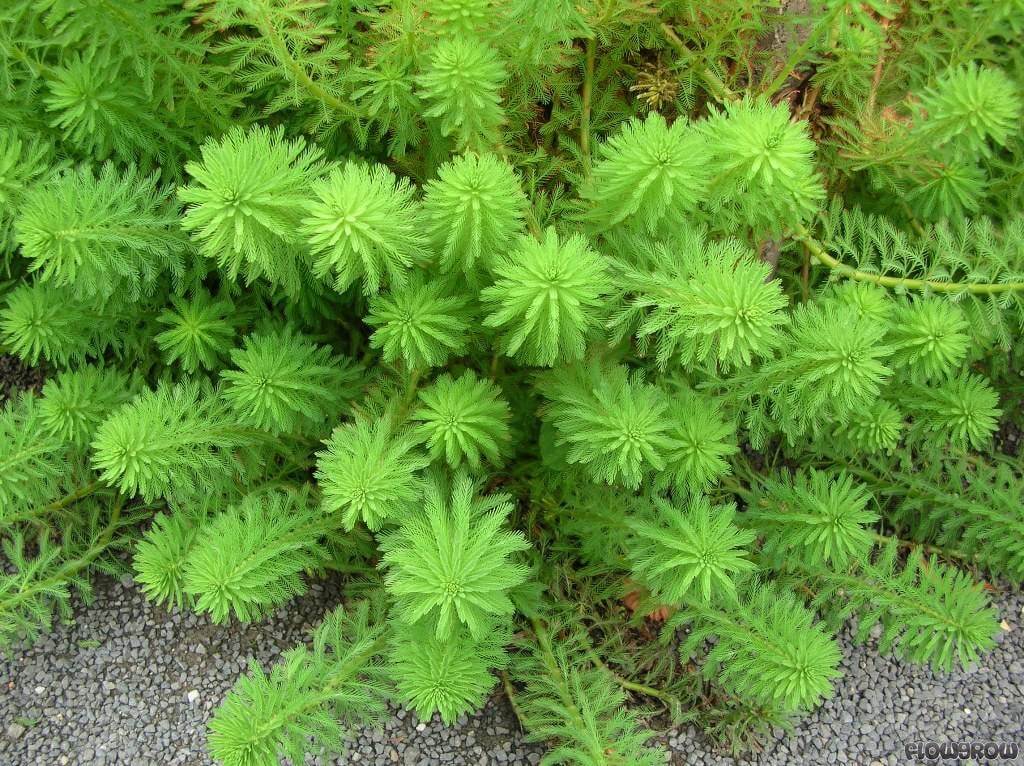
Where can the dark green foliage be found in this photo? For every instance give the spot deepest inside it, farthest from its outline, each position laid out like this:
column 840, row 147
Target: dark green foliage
column 199, row 331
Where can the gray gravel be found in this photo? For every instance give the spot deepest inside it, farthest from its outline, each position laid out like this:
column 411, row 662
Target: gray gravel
column 133, row 684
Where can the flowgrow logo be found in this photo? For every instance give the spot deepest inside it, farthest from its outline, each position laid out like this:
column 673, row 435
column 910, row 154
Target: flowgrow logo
column 933, row 752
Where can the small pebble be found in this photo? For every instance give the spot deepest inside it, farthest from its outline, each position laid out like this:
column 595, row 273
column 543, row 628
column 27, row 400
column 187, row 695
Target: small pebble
column 145, row 695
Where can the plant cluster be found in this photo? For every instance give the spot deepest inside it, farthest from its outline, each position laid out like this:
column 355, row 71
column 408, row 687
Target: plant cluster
column 597, row 349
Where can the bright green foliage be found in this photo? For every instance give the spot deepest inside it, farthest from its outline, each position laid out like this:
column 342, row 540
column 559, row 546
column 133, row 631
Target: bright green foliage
column 161, row 557
column 363, row 224
column 423, row 325
column 247, row 560
column 877, row 429
column 458, row 17
column 699, row 300
column 974, row 508
column 245, row 202
column 547, row 299
column 450, row 676
column 929, row 612
column 696, row 551
column 319, row 693
column 574, row 706
column 701, row 441
column 532, row 322
column 612, row 422
column 284, row 383
column 461, row 87
column 759, row 155
column 41, row 321
column 172, row 442
column 931, row 339
column 368, row 472
column 199, row 331
column 648, row 173
column 474, row 209
column 115, row 232
column 32, row 456
column 452, row 563
column 834, row 365
column 769, row 648
column 462, row 420
column 963, row 409
column 74, row 403
column 814, row 517
column 23, row 160
column 972, row 105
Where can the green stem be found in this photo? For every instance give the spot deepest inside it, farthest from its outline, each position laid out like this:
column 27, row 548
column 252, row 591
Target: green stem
column 284, row 56
column 71, row 568
column 408, row 398
column 588, row 92
column 718, row 89
column 976, row 288
column 913, row 545
column 633, row 686
column 558, row 679
column 506, row 684
column 55, row 506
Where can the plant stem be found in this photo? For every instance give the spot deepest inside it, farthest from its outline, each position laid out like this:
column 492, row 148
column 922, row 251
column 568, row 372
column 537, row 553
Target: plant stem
column 56, row 505
column 71, row 568
column 633, row 686
column 718, row 89
column 284, row 56
column 587, row 98
column 976, row 288
column 506, row 684
column 911, row 545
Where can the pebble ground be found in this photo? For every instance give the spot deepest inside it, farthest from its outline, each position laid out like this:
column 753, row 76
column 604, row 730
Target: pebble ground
column 132, row 684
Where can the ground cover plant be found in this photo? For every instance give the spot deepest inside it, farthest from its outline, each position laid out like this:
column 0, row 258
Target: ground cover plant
column 612, row 353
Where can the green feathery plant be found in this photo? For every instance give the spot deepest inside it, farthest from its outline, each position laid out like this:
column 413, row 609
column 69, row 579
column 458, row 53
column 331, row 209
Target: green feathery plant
column 527, row 320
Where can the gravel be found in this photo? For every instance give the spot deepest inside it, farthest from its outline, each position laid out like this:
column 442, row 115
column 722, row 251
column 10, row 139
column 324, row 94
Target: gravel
column 134, row 684
column 129, row 683
column 15, row 376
